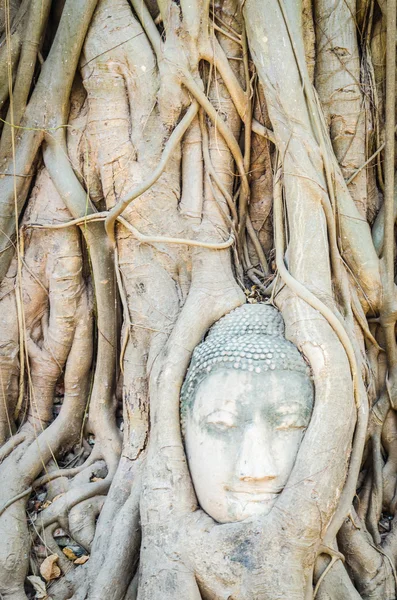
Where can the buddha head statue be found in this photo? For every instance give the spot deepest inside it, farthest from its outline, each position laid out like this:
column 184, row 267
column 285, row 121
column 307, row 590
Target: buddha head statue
column 245, row 404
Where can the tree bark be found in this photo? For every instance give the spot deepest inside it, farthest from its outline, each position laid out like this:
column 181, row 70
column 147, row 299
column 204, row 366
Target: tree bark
column 162, row 163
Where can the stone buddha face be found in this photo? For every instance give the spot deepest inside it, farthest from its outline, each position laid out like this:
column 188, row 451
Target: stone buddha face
column 244, row 419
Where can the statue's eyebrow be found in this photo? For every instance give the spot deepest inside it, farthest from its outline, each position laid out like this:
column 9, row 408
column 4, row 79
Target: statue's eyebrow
column 220, row 410
column 286, row 408
column 220, row 405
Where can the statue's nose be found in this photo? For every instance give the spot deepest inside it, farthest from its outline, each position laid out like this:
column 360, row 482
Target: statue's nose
column 256, row 461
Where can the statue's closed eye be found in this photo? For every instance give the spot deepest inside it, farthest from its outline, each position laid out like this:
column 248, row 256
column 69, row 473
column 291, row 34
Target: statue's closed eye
column 289, row 422
column 221, row 420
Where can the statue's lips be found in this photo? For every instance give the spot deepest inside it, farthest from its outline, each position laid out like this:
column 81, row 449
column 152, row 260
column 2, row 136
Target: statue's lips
column 251, row 496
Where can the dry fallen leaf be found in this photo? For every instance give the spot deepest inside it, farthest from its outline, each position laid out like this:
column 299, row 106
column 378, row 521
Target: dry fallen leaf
column 49, row 568
column 80, row 561
column 39, row 586
column 68, row 552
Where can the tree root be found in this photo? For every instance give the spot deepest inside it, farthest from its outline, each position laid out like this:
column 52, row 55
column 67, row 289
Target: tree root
column 10, row 502
column 148, row 239
column 302, row 292
column 170, row 146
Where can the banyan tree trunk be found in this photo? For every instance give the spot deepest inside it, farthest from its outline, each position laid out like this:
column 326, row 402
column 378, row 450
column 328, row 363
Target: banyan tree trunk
column 162, row 163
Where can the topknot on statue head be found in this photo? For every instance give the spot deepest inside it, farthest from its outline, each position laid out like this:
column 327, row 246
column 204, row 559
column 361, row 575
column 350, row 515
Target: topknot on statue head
column 258, row 319
column 250, row 338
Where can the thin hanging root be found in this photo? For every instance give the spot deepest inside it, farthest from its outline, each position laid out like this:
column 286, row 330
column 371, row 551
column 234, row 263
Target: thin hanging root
column 183, row 241
column 336, row 260
column 376, row 499
column 147, row 239
column 15, row 499
column 21, row 327
column 52, row 475
column 387, row 313
column 243, row 199
column 126, row 311
column 256, row 281
column 362, row 409
column 222, row 127
column 370, row 159
column 225, row 33
column 170, row 146
column 335, row 556
column 212, row 173
column 388, row 246
column 251, row 271
column 225, row 215
column 257, row 245
column 391, row 562
column 148, row 25
column 225, row 24
column 363, row 324
column 217, row 58
column 234, row 148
